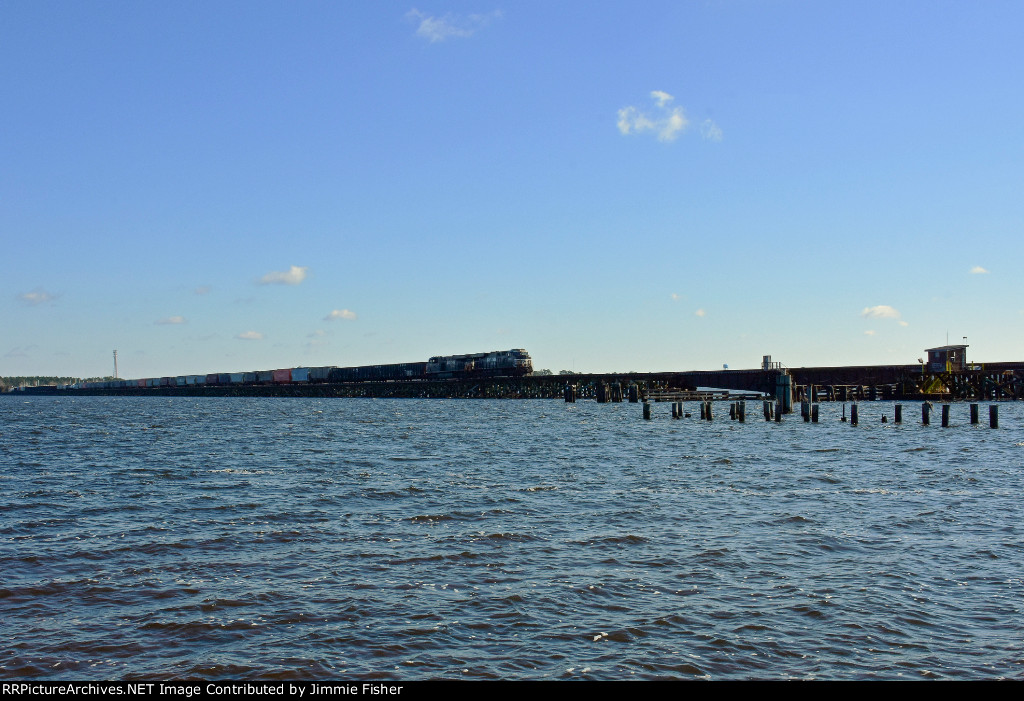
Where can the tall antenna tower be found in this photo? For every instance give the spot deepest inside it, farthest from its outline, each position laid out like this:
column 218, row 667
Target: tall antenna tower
column 115, row 365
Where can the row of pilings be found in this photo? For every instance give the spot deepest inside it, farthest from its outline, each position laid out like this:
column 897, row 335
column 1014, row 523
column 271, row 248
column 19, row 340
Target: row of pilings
column 809, row 411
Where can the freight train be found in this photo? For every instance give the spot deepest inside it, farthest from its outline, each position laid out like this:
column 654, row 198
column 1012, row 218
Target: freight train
column 510, row 363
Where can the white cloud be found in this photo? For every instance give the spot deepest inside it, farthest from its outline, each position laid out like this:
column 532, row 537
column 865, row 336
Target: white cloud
column 661, row 97
column 293, row 276
column 869, row 333
column 700, row 312
column 675, row 296
column 171, row 320
column 978, row 270
column 667, row 122
column 882, row 311
column 450, row 26
column 903, row 323
column 36, row 297
column 250, row 336
column 710, row 131
column 340, row 314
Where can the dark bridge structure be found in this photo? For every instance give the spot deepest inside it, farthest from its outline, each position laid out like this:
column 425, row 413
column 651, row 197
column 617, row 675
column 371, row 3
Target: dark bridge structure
column 995, row 381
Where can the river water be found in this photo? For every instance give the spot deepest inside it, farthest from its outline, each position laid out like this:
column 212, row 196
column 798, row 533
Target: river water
column 472, row 539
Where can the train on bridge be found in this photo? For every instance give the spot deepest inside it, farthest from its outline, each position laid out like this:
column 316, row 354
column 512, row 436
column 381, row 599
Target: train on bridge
column 508, row 363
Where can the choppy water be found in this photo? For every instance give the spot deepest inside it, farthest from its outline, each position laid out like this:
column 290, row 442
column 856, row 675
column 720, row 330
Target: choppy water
column 414, row 539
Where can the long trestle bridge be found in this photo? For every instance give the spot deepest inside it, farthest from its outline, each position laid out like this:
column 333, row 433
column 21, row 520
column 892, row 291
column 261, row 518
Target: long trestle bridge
column 989, row 381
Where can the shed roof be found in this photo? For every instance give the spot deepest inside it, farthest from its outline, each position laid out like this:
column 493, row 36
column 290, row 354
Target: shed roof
column 944, row 348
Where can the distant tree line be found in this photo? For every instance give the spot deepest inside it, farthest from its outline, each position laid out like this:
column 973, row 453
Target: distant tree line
column 9, row 383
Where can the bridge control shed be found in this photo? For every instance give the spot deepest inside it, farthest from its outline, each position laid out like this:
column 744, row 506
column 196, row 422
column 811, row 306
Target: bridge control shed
column 947, row 358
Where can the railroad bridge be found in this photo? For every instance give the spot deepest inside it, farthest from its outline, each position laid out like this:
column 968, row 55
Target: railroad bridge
column 847, row 383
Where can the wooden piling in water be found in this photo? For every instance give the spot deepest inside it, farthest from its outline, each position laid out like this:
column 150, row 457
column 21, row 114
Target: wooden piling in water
column 974, row 414
column 647, row 411
column 634, row 394
column 707, row 411
column 766, row 407
column 899, row 414
column 993, row 416
column 926, row 410
column 778, row 412
column 814, row 413
column 570, row 393
column 732, row 411
column 741, row 410
column 945, row 416
column 853, row 414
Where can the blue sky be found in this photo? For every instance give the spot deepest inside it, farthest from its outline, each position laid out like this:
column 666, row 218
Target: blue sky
column 214, row 187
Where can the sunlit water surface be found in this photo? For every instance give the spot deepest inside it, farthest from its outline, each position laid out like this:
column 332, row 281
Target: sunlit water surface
column 418, row 539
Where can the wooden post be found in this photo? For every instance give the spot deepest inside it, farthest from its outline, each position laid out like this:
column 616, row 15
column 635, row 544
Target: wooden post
column 634, row 394
column 778, row 412
column 703, row 410
column 708, row 410
column 814, row 413
column 732, row 411
column 993, row 416
column 945, row 416
column 766, row 407
column 844, row 413
column 741, row 410
column 570, row 393
column 647, row 411
column 899, row 414
column 853, row 414
column 926, row 409
column 974, row 414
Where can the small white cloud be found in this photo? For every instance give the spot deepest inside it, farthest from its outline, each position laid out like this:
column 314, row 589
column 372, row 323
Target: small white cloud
column 700, row 312
column 675, row 296
column 36, row 297
column 710, row 131
column 171, row 320
column 203, row 290
column 293, row 276
column 451, row 26
column 903, row 323
column 882, row 311
column 250, row 336
column 661, row 97
column 340, row 314
column 978, row 270
column 666, row 123
column 869, row 333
